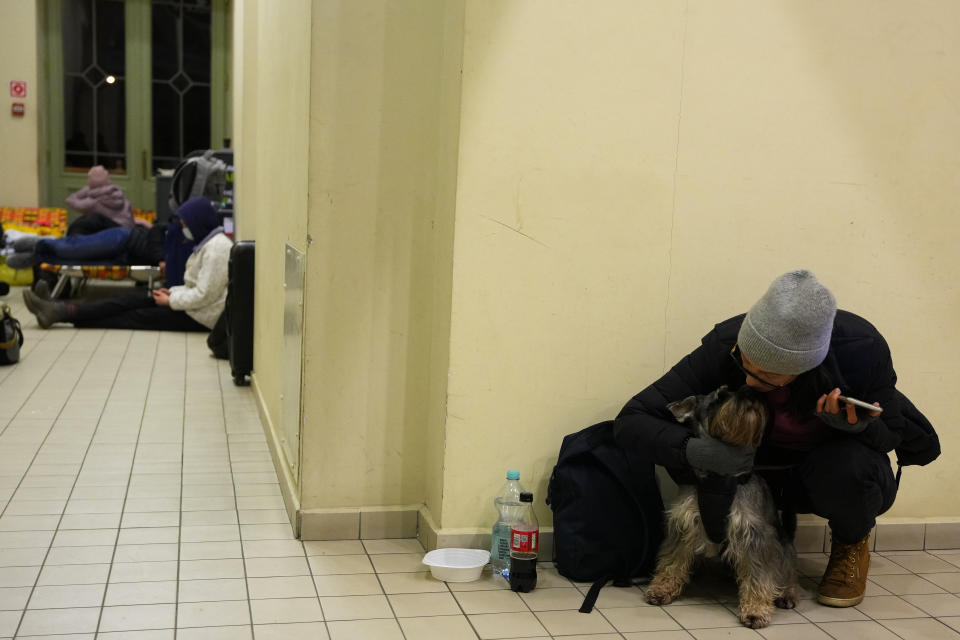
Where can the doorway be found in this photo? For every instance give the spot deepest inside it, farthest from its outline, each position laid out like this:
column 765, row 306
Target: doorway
column 133, row 85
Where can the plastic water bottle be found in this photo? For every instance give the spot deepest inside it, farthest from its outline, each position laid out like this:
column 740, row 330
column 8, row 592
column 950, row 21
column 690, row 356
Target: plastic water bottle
column 509, row 510
column 524, row 544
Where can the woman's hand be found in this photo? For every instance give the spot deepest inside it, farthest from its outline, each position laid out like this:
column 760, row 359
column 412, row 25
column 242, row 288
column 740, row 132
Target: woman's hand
column 161, row 297
column 828, row 410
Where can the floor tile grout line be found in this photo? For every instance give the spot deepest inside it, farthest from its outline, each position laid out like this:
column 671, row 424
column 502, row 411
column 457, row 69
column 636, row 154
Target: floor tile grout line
column 597, row 609
column 602, row 615
column 183, row 449
column 868, row 617
column 243, row 554
column 879, row 622
column 52, row 424
column 460, row 606
column 382, row 588
column 666, row 610
column 133, row 463
column 33, row 344
column 316, row 590
column 922, row 617
column 833, row 635
column 8, row 371
column 93, row 353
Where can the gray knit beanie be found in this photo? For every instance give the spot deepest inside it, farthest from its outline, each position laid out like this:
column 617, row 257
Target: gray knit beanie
column 788, row 330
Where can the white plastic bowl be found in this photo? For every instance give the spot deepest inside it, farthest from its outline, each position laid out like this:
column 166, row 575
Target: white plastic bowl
column 456, row 565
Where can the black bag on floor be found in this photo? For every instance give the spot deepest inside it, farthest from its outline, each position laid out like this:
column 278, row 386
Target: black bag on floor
column 11, row 337
column 607, row 512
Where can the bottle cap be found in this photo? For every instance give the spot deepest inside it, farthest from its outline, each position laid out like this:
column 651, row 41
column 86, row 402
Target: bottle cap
column 513, row 475
column 526, row 496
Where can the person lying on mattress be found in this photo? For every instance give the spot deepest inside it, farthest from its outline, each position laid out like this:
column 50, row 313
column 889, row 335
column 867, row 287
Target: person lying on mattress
column 123, row 245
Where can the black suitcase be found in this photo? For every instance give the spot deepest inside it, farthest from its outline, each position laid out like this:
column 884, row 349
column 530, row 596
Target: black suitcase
column 239, row 311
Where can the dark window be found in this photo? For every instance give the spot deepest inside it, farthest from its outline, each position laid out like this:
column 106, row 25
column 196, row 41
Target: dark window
column 181, row 79
column 94, row 66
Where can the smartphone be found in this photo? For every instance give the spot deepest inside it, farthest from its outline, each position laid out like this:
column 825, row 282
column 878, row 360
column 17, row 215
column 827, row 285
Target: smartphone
column 859, row 403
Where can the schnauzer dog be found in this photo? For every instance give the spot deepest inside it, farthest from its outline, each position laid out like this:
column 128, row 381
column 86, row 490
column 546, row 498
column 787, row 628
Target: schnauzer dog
column 758, row 544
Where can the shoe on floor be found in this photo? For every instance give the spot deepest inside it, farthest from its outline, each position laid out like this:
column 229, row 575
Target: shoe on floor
column 845, row 579
column 42, row 289
column 47, row 312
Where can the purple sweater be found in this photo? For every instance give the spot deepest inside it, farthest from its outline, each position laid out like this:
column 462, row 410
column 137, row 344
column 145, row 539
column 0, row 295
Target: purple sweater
column 108, row 200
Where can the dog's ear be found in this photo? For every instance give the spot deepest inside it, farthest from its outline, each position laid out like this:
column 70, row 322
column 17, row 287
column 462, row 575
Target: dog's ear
column 683, row 409
column 715, row 395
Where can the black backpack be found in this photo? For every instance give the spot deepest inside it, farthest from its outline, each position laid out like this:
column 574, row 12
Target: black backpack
column 607, row 512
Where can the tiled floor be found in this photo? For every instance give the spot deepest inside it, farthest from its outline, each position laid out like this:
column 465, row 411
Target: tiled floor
column 139, row 502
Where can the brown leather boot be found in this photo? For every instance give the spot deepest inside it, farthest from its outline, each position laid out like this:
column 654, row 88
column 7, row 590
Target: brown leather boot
column 845, row 579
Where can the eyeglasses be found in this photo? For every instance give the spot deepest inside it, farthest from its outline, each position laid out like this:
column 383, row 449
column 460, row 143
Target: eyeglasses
column 737, row 358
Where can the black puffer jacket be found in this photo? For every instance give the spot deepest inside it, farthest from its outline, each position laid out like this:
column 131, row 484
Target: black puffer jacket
column 858, row 363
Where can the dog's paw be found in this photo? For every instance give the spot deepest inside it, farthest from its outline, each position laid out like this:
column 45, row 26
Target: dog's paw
column 660, row 595
column 659, row 598
column 754, row 621
column 788, row 600
column 755, row 616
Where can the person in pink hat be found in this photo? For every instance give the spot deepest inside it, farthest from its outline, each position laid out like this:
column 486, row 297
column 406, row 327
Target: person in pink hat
column 101, row 198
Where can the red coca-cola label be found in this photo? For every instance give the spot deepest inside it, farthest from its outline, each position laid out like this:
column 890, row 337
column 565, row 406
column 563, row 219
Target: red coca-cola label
column 525, row 540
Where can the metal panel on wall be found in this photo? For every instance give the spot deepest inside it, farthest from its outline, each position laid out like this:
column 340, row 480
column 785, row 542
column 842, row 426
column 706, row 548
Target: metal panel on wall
column 293, row 280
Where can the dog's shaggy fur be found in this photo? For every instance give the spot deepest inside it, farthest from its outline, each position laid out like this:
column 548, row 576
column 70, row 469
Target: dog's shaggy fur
column 759, row 547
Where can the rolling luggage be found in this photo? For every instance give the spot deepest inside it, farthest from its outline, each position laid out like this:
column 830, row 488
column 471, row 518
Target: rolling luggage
column 239, row 311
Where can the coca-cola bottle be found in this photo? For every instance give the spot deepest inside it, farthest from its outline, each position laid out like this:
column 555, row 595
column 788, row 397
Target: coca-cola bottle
column 524, row 543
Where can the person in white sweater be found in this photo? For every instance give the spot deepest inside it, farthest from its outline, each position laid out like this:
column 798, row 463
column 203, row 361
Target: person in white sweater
column 193, row 306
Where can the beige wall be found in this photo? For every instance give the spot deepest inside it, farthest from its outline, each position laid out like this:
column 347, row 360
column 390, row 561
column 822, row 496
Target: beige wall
column 347, row 149
column 631, row 173
column 382, row 170
column 623, row 176
column 272, row 125
column 19, row 146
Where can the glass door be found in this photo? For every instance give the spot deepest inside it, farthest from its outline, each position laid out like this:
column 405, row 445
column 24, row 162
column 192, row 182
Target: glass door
column 94, row 86
column 182, row 82
column 134, row 85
